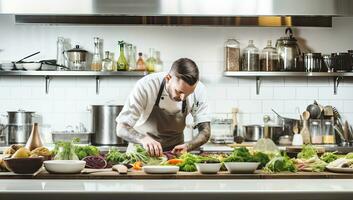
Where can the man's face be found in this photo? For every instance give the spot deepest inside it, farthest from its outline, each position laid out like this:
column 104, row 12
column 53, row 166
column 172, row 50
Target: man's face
column 178, row 89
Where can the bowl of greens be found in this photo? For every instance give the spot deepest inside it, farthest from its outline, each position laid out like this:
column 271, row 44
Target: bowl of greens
column 208, row 165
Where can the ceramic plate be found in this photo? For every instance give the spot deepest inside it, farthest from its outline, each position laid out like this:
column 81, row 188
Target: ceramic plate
column 340, row 170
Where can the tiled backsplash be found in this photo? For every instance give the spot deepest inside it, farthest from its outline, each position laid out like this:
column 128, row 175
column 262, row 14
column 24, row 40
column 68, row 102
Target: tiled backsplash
column 69, row 97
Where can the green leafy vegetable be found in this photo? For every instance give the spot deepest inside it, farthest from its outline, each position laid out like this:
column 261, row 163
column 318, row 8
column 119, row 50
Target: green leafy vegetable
column 188, row 164
column 329, row 157
column 307, row 152
column 280, row 164
column 349, row 155
column 116, row 157
column 65, row 150
column 84, row 151
column 262, row 158
column 241, row 154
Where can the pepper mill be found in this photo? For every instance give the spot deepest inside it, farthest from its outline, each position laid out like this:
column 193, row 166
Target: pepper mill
column 34, row 139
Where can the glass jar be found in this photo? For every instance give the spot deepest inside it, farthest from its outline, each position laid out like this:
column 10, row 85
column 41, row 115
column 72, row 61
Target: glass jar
column 96, row 60
column 151, row 61
column 328, row 133
column 315, row 131
column 107, row 63
column 221, row 130
column 232, row 55
column 269, row 58
column 250, row 58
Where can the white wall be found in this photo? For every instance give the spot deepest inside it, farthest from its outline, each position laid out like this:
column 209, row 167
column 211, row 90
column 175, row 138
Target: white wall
column 69, row 97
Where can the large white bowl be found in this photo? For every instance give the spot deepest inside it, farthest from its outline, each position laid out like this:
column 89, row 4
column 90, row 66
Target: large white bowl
column 160, row 169
column 241, row 167
column 30, row 66
column 7, row 66
column 208, row 168
column 64, row 166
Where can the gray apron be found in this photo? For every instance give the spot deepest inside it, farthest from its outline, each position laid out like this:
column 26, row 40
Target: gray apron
column 164, row 127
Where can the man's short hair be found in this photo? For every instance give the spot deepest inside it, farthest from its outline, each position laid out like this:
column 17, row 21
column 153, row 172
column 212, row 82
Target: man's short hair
column 185, row 69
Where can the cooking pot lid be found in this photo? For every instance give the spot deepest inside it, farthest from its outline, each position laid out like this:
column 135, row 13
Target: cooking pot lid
column 20, row 111
column 77, row 49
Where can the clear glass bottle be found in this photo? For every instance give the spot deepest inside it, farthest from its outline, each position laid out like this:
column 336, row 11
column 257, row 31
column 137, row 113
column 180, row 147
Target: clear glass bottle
column 328, row 133
column 60, row 48
column 232, row 55
column 131, row 57
column 97, row 59
column 159, row 62
column 269, row 58
column 151, row 61
column 112, row 58
column 122, row 64
column 250, row 57
column 315, row 131
column 140, row 64
column 107, row 63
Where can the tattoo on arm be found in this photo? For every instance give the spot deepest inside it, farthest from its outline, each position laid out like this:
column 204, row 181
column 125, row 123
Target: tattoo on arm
column 203, row 136
column 129, row 134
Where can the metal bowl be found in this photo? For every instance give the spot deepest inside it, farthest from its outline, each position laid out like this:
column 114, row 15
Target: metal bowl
column 252, row 133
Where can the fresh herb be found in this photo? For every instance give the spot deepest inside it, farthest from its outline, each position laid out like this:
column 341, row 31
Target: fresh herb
column 84, row 151
column 241, row 154
column 188, row 164
column 307, row 152
column 115, row 157
column 280, row 164
column 329, row 157
column 65, row 150
column 349, row 155
column 262, row 158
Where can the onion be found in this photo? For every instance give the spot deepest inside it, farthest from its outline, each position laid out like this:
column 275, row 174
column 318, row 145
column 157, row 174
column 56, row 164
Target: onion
column 95, row 162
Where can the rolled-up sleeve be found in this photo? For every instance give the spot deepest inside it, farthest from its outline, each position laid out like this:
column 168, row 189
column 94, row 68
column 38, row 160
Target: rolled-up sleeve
column 134, row 106
column 200, row 111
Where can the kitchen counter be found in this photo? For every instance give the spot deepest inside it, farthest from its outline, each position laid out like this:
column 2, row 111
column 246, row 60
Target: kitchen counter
column 176, row 189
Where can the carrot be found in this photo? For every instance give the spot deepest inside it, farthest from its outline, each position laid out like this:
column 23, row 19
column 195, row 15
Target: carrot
column 174, row 161
column 137, row 165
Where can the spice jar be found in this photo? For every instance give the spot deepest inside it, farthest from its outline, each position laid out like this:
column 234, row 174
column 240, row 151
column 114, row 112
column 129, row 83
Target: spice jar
column 269, row 58
column 328, row 133
column 232, row 55
column 251, row 58
column 315, row 131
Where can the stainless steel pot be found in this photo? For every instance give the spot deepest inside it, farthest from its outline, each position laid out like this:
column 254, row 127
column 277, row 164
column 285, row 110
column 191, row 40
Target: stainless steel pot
column 252, row 133
column 76, row 58
column 289, row 52
column 19, row 126
column 104, row 125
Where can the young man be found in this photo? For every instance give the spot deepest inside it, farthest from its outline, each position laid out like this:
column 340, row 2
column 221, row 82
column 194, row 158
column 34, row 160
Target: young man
column 155, row 112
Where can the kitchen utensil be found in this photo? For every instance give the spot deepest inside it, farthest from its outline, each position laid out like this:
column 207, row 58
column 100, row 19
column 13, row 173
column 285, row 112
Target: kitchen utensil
column 208, row 168
column 104, row 125
column 28, row 57
column 122, row 169
column 346, row 133
column 19, row 126
column 76, row 58
column 64, row 166
column 156, row 169
column 253, row 133
column 237, row 138
column 314, row 110
column 312, row 62
column 91, row 171
column 241, row 167
column 304, row 132
column 287, row 123
column 289, row 52
column 24, row 165
column 297, row 138
column 327, row 63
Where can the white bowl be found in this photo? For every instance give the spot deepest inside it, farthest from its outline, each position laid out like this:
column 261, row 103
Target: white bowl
column 208, row 168
column 30, row 66
column 6, row 66
column 241, row 167
column 160, row 169
column 64, row 166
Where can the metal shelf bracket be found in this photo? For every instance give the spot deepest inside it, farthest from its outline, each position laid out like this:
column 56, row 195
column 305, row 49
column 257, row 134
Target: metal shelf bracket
column 336, row 82
column 258, row 83
column 97, row 85
column 47, row 83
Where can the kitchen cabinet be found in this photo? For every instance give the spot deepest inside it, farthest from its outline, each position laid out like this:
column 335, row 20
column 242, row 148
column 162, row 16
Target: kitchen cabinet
column 336, row 76
column 48, row 75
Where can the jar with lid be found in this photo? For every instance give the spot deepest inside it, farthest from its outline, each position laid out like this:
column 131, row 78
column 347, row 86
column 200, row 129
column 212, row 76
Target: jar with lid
column 250, row 57
column 221, row 130
column 269, row 58
column 328, row 132
column 232, row 55
column 315, row 131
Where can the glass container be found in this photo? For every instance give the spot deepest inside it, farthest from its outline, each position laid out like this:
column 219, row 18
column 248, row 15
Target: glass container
column 222, row 130
column 232, row 55
column 97, row 59
column 122, row 64
column 151, row 61
column 315, row 131
column 107, row 63
column 131, row 57
column 328, row 133
column 250, row 57
column 140, row 64
column 269, row 58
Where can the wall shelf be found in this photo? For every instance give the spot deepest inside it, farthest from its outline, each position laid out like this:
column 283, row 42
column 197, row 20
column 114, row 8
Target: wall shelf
column 337, row 76
column 49, row 74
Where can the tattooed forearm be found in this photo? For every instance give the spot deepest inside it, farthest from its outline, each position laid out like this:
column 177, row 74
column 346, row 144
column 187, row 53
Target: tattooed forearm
column 129, row 134
column 203, row 136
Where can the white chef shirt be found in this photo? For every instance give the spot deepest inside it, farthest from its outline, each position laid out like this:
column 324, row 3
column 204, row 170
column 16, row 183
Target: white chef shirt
column 142, row 98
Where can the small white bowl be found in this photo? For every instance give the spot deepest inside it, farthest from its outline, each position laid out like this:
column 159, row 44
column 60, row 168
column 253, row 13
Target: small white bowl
column 208, row 168
column 64, row 166
column 241, row 167
column 156, row 169
column 7, row 66
column 30, row 66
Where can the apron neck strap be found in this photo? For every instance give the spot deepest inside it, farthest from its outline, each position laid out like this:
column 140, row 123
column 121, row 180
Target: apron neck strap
column 160, row 94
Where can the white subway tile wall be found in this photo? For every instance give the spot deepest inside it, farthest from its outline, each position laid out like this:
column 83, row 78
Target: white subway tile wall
column 70, row 97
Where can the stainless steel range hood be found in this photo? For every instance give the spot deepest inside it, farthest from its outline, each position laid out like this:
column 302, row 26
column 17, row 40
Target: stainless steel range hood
column 179, row 12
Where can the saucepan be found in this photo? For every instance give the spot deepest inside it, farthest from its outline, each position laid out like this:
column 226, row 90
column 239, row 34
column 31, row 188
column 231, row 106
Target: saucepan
column 254, row 132
column 287, row 123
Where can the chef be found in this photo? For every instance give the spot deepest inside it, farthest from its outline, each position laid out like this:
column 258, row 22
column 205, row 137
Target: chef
column 154, row 114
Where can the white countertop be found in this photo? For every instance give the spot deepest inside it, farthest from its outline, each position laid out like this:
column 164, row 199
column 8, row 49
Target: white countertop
column 199, row 189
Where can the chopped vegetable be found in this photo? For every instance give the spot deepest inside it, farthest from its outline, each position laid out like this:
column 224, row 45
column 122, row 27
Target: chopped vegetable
column 262, row 158
column 313, row 164
column 95, row 162
column 84, row 151
column 307, row 152
column 280, row 164
column 329, row 157
column 174, row 161
column 137, row 165
column 349, row 155
column 65, row 150
column 188, row 164
column 115, row 157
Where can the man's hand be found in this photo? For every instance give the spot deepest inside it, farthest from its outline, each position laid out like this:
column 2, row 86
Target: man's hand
column 179, row 149
column 153, row 147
